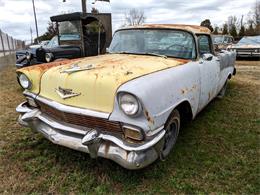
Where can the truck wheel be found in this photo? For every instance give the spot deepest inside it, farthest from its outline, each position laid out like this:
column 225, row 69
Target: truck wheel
column 223, row 90
column 172, row 128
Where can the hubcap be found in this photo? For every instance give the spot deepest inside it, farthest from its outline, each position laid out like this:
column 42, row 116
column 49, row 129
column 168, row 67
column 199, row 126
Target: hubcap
column 170, row 137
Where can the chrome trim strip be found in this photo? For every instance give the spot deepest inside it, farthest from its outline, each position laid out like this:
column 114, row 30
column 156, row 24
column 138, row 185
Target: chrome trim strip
column 73, row 110
column 153, row 132
column 126, row 147
column 22, row 109
column 27, row 93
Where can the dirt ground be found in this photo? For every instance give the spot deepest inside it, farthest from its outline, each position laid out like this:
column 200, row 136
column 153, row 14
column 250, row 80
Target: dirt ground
column 216, row 153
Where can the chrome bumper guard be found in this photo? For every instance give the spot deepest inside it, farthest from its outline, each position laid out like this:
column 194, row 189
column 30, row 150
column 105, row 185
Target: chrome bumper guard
column 129, row 156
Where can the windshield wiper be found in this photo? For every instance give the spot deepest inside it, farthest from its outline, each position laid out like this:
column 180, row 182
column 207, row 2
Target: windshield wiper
column 146, row 53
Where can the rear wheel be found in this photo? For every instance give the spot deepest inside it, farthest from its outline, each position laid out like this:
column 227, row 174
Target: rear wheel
column 172, row 128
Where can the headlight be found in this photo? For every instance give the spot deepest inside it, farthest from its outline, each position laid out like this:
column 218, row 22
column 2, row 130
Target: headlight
column 129, row 104
column 28, row 55
column 24, row 81
column 48, row 57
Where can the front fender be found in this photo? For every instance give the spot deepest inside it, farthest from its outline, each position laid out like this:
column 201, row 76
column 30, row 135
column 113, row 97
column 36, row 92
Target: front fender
column 160, row 93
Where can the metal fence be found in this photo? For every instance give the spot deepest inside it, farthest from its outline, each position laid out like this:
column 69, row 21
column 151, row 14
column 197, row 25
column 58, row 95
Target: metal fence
column 8, row 44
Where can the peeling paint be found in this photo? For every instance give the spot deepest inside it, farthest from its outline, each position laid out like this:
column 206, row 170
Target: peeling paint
column 148, row 117
column 98, row 86
column 193, row 28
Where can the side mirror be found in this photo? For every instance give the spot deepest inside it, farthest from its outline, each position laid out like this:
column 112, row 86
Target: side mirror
column 207, row 56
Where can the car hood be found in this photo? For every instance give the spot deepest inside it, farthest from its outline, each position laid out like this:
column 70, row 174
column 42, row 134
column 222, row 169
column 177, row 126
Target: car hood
column 246, row 46
column 95, row 80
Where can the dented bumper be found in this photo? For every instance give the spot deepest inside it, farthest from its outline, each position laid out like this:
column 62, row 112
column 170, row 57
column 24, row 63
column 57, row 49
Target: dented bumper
column 130, row 156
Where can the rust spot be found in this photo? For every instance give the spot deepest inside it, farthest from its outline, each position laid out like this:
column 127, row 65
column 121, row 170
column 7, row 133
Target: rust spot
column 44, row 67
column 183, row 61
column 128, row 73
column 193, row 28
column 107, row 145
column 96, row 74
column 148, row 117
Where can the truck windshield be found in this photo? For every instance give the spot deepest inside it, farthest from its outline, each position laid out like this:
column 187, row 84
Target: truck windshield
column 170, row 43
column 69, row 30
column 218, row 39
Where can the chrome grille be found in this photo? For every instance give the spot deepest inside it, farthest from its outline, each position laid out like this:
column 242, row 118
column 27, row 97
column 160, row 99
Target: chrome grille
column 81, row 120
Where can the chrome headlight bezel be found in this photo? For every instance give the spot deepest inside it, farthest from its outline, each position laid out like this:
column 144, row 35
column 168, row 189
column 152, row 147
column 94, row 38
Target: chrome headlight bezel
column 129, row 104
column 24, row 81
column 48, row 57
column 28, row 55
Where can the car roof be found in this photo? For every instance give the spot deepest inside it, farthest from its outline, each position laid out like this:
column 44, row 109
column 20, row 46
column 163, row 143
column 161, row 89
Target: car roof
column 192, row 28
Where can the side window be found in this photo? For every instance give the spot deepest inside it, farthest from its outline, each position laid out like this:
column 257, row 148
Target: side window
column 226, row 40
column 204, row 44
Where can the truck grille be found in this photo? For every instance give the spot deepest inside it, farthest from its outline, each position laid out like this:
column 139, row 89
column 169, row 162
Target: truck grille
column 40, row 55
column 81, row 120
column 246, row 50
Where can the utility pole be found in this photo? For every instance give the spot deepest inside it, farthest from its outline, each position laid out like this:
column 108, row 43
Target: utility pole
column 35, row 20
column 84, row 6
column 31, row 35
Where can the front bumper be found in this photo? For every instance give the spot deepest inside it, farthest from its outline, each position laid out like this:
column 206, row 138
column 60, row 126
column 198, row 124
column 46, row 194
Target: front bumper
column 129, row 156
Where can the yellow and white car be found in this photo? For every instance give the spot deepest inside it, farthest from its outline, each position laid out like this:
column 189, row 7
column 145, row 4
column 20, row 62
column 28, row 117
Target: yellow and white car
column 127, row 105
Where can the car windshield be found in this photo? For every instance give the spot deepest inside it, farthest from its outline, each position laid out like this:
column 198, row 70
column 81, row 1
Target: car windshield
column 254, row 40
column 69, row 30
column 53, row 42
column 171, row 43
column 218, row 39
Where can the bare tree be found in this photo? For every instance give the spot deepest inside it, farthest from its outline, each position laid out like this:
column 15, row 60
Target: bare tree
column 134, row 17
column 253, row 20
column 233, row 22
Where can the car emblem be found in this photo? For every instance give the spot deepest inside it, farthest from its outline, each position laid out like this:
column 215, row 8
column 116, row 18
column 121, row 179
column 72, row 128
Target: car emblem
column 76, row 68
column 66, row 93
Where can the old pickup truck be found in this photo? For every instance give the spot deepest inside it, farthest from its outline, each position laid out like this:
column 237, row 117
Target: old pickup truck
column 127, row 105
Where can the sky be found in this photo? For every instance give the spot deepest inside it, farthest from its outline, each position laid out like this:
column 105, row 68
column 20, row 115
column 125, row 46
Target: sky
column 16, row 16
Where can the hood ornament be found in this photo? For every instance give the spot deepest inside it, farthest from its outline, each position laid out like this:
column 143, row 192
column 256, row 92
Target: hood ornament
column 76, row 68
column 66, row 93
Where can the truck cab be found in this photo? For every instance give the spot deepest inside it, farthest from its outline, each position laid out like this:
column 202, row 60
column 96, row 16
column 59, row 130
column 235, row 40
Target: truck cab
column 79, row 35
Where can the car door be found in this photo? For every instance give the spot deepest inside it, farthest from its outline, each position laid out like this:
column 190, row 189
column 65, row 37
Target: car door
column 209, row 66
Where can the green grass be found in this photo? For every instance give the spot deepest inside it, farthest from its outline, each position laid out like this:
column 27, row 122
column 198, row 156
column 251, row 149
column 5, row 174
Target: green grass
column 216, row 153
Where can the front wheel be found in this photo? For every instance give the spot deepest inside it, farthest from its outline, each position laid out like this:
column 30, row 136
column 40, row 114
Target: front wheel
column 223, row 90
column 172, row 128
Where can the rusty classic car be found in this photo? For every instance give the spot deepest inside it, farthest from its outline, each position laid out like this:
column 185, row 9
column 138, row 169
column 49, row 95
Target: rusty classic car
column 127, row 105
column 222, row 42
column 248, row 46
